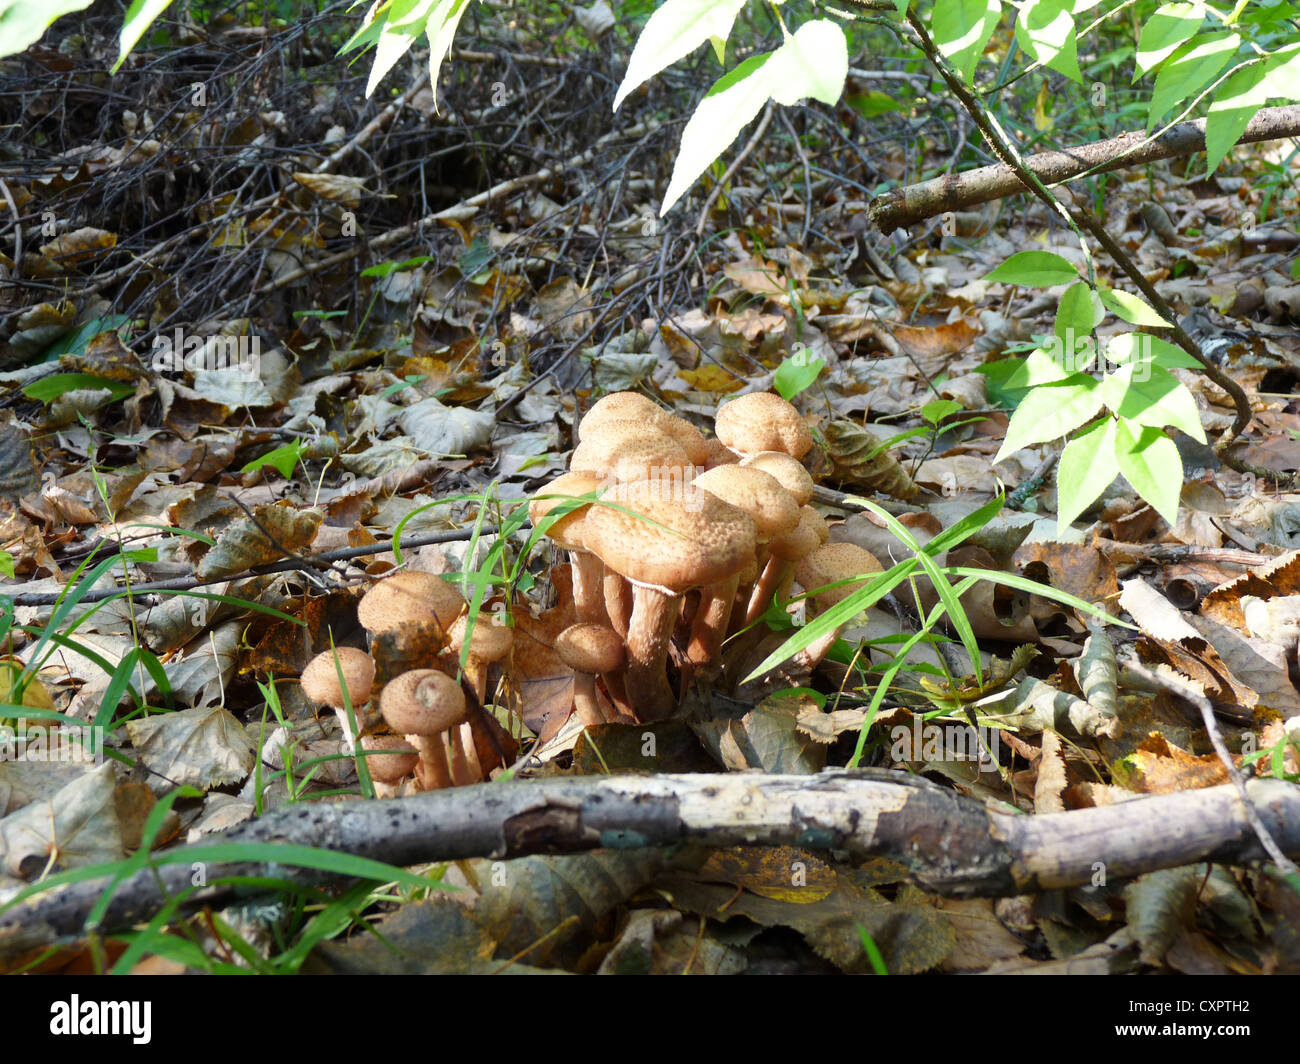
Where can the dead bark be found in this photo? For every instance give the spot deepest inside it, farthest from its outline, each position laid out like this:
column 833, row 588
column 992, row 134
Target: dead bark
column 906, row 206
column 952, row 845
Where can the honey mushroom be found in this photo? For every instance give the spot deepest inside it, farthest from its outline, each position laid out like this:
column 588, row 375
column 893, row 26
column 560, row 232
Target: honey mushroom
column 408, row 598
column 566, row 533
column 774, row 513
column 320, row 683
column 390, row 759
column 424, row 705
column 680, row 547
column 488, row 644
column 589, row 650
column 761, row 421
column 831, row 564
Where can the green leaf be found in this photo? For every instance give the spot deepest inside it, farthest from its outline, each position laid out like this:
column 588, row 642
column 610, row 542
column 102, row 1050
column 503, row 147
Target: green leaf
column 1190, row 71
column 795, row 374
column 48, row 389
column 1038, row 367
column 813, row 62
column 1151, row 463
column 1046, row 31
column 1133, row 309
column 1234, row 105
column 1128, row 349
column 674, row 31
column 1148, row 395
column 139, row 17
column 24, row 22
column 962, row 29
column 1050, row 412
column 936, row 411
column 1172, row 26
column 1076, row 315
column 282, row 458
column 1035, row 269
column 6, row 564
column 1086, row 469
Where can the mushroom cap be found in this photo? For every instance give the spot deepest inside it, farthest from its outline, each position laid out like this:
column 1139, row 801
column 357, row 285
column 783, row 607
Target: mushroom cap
column 406, row 598
column 702, row 539
column 762, row 421
column 616, row 406
column 397, row 760
column 831, row 563
column 817, row 521
column 566, row 532
column 320, row 680
column 799, row 542
column 758, row 493
column 422, row 702
column 650, row 456
column 788, row 470
column 489, row 642
column 688, row 437
column 719, row 454
column 590, row 648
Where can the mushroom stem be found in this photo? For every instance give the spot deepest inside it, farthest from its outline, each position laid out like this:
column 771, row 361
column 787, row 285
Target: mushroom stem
column 432, row 771
column 588, row 593
column 618, row 602
column 772, row 577
column 616, row 685
column 710, row 627
column 654, row 612
column 584, row 699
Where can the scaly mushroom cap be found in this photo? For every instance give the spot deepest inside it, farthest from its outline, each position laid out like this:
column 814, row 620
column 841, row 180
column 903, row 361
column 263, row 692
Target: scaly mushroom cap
column 688, row 437
column 651, row 456
column 799, row 542
column 407, row 598
column 788, row 471
column 703, row 539
column 758, row 493
column 590, row 648
column 567, row 531
column 816, row 521
column 397, row 760
column 320, row 680
column 719, row 454
column 830, row 564
column 762, row 421
column 422, row 702
column 490, row 642
column 617, row 406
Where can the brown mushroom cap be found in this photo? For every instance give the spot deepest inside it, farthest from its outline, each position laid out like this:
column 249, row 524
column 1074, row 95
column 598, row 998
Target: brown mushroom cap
column 816, row 521
column 789, row 472
column 566, row 532
column 702, row 540
column 831, row 563
column 407, row 598
column 422, row 702
column 762, row 421
column 590, row 648
column 488, row 643
column 719, row 454
column 397, row 760
column 758, row 493
column 688, row 437
column 320, row 680
column 617, row 406
column 649, row 456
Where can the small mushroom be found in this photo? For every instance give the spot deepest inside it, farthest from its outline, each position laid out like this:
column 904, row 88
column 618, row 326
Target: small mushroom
column 407, row 598
column 783, row 552
column 424, row 705
column 617, row 406
column 788, row 470
column 589, row 649
column 761, row 421
column 664, row 547
column 320, row 683
column 773, row 512
column 566, row 533
column 389, row 759
column 827, row 565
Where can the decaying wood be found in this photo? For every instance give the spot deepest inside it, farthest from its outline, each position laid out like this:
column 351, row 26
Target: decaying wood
column 906, row 206
column 952, row 845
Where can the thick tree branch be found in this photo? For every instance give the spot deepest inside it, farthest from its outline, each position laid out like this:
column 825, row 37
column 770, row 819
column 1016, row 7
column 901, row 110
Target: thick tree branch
column 952, row 845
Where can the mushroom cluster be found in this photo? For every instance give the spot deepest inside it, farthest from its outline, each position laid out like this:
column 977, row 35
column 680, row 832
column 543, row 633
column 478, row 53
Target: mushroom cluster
column 416, row 618
column 676, row 542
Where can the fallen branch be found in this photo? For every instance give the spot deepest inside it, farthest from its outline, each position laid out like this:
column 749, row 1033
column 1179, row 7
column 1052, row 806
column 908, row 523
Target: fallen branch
column 951, row 845
column 907, row 206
